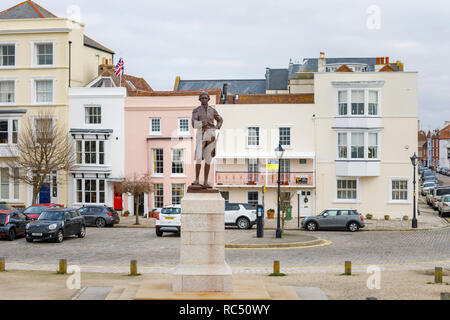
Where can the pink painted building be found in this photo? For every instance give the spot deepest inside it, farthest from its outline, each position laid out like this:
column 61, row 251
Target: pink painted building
column 159, row 140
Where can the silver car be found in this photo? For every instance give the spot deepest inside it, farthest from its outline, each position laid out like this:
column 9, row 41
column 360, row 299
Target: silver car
column 438, row 193
column 444, row 206
column 348, row 219
column 427, row 186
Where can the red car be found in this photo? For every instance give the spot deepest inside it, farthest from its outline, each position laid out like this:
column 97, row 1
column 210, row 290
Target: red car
column 34, row 211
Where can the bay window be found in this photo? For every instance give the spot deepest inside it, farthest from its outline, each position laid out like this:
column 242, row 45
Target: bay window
column 342, row 146
column 357, row 145
column 373, row 146
column 373, row 103
column 90, row 191
column 357, row 102
column 90, row 152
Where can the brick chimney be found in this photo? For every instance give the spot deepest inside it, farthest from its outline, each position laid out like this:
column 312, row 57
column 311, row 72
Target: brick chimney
column 322, row 63
column 107, row 65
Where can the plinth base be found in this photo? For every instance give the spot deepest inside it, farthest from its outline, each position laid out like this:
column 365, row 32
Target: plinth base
column 202, row 278
column 242, row 290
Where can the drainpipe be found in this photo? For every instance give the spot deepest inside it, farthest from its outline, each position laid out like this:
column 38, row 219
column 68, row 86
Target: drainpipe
column 70, row 62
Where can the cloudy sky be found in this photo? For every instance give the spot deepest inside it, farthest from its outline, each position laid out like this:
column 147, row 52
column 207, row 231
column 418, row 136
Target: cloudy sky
column 200, row 39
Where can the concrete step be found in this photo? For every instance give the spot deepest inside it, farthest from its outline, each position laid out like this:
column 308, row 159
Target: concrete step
column 277, row 292
column 115, row 293
column 129, row 292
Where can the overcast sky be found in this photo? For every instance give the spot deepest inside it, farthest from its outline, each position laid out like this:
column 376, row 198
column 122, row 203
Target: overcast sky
column 200, row 39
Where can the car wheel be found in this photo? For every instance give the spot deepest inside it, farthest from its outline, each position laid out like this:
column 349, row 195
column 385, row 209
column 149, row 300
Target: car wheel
column 311, row 226
column 100, row 223
column 29, row 239
column 159, row 233
column 59, row 236
column 243, row 223
column 11, row 235
column 353, row 227
column 82, row 233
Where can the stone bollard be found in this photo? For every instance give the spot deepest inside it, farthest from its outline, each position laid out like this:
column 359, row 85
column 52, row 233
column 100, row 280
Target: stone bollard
column 445, row 295
column 348, row 268
column 2, row 264
column 62, row 266
column 276, row 267
column 438, row 275
column 133, row 268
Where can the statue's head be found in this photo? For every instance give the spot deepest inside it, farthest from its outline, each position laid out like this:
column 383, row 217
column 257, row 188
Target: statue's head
column 204, row 97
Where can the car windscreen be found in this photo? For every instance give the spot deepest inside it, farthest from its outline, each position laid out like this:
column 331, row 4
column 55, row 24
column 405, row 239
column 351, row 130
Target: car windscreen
column 171, row 211
column 3, row 218
column 441, row 192
column 35, row 210
column 426, row 185
column 51, row 216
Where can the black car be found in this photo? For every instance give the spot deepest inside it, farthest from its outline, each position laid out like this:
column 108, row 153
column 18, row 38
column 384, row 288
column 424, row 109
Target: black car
column 56, row 224
column 100, row 216
column 12, row 224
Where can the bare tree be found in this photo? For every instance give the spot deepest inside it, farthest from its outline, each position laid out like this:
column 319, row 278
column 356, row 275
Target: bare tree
column 43, row 148
column 135, row 186
column 285, row 205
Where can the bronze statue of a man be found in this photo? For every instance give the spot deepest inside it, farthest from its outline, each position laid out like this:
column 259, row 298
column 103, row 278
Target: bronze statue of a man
column 203, row 119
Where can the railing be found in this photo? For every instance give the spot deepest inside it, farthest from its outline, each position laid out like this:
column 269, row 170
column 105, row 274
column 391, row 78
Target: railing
column 297, row 179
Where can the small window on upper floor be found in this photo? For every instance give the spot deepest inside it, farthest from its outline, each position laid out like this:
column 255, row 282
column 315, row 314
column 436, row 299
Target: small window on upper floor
column 93, row 114
column 44, row 54
column 155, row 126
column 7, row 55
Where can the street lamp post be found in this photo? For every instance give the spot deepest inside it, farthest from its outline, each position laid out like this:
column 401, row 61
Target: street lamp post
column 414, row 163
column 279, row 152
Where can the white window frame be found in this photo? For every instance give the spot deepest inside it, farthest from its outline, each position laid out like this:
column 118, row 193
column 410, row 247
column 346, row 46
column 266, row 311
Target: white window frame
column 358, row 190
column 247, row 136
column 408, row 191
column 290, row 136
column 154, row 173
column 14, row 103
column 10, row 130
column 184, row 133
column 11, row 184
column 252, row 192
column 366, row 102
column 33, row 91
column 155, row 133
column 183, row 163
column 34, row 62
column 83, row 191
column 366, row 145
column 155, row 196
column 183, row 193
column 97, row 152
column 86, row 106
column 7, row 43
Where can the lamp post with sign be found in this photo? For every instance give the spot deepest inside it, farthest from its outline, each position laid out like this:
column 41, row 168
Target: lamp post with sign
column 414, row 163
column 279, row 153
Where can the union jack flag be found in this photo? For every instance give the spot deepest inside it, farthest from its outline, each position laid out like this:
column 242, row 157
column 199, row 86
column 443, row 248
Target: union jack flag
column 120, row 69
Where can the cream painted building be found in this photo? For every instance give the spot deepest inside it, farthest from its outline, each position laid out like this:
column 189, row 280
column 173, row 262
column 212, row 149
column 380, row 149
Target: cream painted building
column 41, row 56
column 349, row 148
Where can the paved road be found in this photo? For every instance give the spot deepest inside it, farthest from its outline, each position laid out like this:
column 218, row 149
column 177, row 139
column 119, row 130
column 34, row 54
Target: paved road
column 111, row 249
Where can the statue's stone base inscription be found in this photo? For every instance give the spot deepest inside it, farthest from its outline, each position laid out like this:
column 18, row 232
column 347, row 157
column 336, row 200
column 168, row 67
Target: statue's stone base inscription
column 202, row 265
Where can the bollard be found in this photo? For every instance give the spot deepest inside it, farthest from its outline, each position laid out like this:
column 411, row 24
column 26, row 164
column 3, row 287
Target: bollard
column 276, row 267
column 2, row 264
column 445, row 295
column 62, row 266
column 438, row 275
column 133, row 268
column 348, row 268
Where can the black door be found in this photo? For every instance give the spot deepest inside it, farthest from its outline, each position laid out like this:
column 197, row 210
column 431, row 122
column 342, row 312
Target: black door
column 68, row 224
column 140, row 205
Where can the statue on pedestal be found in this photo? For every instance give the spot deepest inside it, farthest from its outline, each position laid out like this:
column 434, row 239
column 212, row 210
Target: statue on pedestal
column 203, row 120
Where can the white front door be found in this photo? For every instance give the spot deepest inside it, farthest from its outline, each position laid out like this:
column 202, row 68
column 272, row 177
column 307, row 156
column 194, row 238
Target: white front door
column 305, row 203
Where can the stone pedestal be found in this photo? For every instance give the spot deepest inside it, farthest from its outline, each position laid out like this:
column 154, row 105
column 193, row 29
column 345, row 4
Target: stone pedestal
column 202, row 265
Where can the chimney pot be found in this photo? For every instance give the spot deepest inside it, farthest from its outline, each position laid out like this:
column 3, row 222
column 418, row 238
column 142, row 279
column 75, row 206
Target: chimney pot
column 387, row 60
column 382, row 60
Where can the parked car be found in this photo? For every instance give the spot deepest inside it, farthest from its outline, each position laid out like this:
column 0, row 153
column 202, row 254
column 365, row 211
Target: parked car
column 33, row 212
column 56, row 224
column 444, row 206
column 99, row 216
column 12, row 224
column 429, row 195
column 348, row 219
column 445, row 171
column 427, row 174
column 169, row 220
column 438, row 193
column 241, row 215
column 427, row 186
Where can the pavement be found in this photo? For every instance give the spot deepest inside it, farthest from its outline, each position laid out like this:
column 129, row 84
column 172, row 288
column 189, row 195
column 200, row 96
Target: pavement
column 393, row 285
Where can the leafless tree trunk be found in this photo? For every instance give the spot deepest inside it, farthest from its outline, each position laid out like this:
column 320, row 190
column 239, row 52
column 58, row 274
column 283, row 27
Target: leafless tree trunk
column 43, row 148
column 135, row 186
